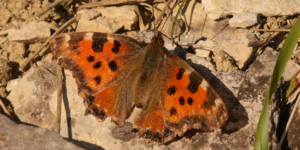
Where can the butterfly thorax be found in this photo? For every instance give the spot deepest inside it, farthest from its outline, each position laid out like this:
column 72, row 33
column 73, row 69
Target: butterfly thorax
column 154, row 53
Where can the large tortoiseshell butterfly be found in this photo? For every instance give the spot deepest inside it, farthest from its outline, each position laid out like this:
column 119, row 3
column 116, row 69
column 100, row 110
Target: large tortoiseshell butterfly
column 114, row 73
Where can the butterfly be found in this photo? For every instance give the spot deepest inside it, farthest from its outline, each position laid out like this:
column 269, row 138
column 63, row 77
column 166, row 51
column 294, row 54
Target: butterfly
column 116, row 73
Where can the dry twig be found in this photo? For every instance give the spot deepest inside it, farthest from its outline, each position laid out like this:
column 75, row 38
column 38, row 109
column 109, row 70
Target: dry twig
column 116, row 2
column 273, row 30
column 206, row 48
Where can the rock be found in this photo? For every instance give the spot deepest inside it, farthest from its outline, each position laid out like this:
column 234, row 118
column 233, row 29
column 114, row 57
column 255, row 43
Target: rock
column 294, row 131
column 194, row 61
column 100, row 24
column 202, row 53
column 30, row 33
column 14, row 136
column 107, row 19
column 124, row 15
column 88, row 14
column 224, row 62
column 237, row 47
column 167, row 27
column 5, row 15
column 243, row 20
column 188, row 39
column 216, row 9
column 5, row 72
column 5, row 75
column 268, row 59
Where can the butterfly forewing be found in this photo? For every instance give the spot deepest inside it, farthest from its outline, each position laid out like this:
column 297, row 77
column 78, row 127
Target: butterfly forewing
column 100, row 62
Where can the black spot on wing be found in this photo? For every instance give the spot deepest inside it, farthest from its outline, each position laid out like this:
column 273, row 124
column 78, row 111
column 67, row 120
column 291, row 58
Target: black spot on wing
column 97, row 65
column 97, row 79
column 190, row 101
column 116, row 48
column 195, row 81
column 90, row 59
column 171, row 90
column 181, row 101
column 173, row 111
column 180, row 73
column 112, row 65
column 99, row 39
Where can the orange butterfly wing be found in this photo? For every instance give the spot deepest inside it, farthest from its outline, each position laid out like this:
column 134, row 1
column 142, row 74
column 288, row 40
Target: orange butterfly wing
column 99, row 63
column 184, row 100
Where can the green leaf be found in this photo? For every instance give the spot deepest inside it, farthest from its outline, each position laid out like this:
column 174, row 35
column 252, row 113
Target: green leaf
column 261, row 137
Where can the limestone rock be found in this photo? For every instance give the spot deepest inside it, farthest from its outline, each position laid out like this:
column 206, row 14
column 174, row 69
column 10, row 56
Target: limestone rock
column 217, row 9
column 237, row 47
column 30, row 33
column 124, row 15
column 188, row 39
column 167, row 27
column 99, row 24
column 224, row 62
column 243, row 20
column 14, row 136
column 107, row 19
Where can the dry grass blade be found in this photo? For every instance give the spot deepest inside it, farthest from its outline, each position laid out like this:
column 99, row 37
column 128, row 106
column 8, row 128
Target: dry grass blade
column 116, row 2
column 74, row 19
column 141, row 23
column 273, row 30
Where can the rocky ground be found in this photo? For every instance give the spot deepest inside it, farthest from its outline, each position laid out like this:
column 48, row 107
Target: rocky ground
column 210, row 35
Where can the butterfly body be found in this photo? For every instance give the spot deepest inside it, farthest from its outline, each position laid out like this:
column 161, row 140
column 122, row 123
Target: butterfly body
column 114, row 73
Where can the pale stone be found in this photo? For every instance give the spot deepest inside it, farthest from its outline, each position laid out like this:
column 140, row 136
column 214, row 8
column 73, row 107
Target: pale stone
column 188, row 39
column 100, row 24
column 11, row 84
column 88, row 14
column 21, row 136
column 216, row 9
column 244, row 20
column 124, row 15
column 30, row 33
column 202, row 53
column 167, row 27
column 237, row 47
